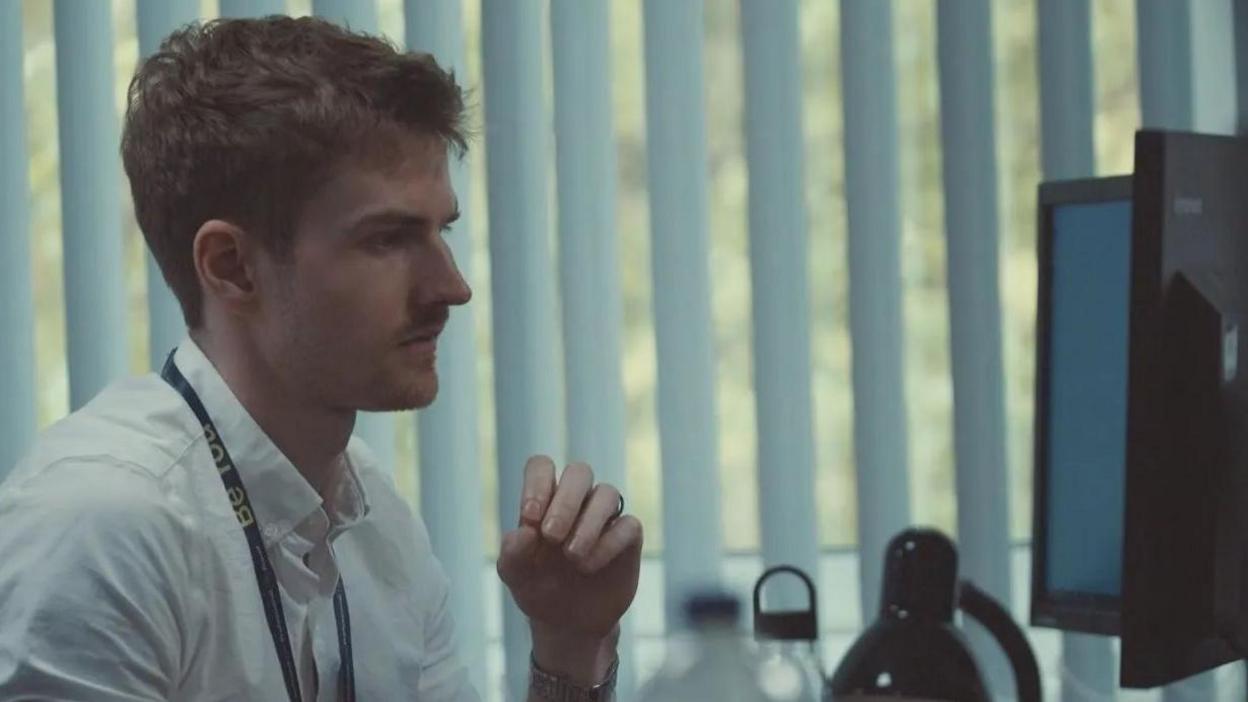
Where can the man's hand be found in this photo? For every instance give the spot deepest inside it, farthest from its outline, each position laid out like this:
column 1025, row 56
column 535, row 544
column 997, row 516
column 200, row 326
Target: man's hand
column 572, row 567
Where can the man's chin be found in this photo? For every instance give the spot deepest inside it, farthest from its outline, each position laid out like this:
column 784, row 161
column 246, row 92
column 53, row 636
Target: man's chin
column 417, row 394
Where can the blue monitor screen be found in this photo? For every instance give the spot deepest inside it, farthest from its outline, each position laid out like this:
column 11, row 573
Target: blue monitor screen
column 1089, row 307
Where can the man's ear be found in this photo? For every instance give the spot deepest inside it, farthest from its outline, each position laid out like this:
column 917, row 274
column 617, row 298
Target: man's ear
column 224, row 263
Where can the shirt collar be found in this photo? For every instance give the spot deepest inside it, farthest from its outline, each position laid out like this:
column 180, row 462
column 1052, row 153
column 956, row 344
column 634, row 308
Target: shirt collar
column 349, row 503
column 281, row 497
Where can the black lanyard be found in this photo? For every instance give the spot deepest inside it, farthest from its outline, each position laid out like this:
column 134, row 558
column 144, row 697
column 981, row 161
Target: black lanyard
column 265, row 577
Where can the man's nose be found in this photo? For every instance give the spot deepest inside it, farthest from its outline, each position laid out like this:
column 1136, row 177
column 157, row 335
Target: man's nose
column 458, row 290
column 444, row 283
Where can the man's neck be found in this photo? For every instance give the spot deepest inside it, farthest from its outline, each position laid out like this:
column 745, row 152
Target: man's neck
column 313, row 438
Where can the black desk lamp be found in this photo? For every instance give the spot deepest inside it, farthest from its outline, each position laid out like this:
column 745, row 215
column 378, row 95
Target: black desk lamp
column 913, row 651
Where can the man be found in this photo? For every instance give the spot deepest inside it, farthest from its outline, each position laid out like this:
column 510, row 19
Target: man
column 213, row 532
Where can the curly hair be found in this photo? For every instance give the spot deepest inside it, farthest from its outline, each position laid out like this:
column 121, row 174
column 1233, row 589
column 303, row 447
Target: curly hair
column 243, row 119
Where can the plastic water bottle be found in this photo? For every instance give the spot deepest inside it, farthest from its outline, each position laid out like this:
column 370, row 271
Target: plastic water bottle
column 788, row 671
column 788, row 639
column 716, row 664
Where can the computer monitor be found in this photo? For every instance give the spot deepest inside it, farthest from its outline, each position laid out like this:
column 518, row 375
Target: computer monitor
column 1141, row 472
column 1083, row 317
column 1185, row 558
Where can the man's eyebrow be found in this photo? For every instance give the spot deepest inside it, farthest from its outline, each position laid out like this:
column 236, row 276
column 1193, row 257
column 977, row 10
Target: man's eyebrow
column 402, row 218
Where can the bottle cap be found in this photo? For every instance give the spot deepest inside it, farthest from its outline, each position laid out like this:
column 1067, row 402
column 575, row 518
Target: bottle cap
column 712, row 607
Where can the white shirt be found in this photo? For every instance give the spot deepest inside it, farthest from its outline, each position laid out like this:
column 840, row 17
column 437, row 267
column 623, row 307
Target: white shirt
column 124, row 574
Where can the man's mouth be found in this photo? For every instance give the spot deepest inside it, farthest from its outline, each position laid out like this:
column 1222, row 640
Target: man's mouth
column 423, row 335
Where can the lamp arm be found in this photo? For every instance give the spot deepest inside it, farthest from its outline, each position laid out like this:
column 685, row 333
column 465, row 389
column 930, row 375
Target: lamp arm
column 981, row 606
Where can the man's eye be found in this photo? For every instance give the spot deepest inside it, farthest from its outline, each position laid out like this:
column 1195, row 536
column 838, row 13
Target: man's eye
column 388, row 241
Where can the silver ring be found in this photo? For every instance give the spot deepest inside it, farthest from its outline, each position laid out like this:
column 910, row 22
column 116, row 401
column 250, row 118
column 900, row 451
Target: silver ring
column 619, row 510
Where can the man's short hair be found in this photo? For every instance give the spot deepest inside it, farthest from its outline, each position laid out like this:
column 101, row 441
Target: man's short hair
column 243, row 119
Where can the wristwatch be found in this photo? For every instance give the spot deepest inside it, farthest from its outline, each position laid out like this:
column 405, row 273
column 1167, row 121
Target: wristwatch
column 552, row 688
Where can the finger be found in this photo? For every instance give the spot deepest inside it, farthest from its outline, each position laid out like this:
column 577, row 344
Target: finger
column 539, row 486
column 564, row 507
column 516, row 553
column 599, row 509
column 622, row 536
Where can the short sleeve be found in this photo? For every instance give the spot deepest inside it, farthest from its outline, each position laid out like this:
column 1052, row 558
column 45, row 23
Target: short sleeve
column 93, row 576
